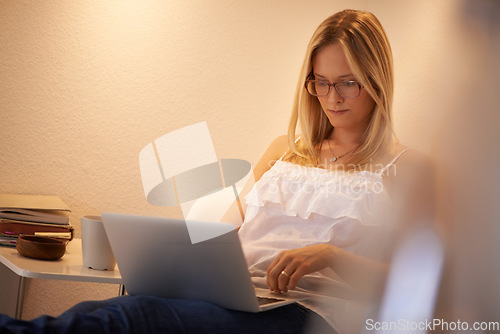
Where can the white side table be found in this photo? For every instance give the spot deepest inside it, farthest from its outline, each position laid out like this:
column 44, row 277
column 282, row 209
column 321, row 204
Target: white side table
column 68, row 268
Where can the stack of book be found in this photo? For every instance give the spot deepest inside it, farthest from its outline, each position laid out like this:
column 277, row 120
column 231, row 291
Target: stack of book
column 33, row 215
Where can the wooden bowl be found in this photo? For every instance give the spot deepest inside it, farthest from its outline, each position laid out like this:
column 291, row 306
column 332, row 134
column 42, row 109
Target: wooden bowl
column 41, row 248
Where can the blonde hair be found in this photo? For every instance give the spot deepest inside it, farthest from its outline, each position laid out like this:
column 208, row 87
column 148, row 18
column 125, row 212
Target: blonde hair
column 369, row 55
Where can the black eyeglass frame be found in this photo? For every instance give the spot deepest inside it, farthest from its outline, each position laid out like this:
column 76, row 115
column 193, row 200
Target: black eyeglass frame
column 334, row 85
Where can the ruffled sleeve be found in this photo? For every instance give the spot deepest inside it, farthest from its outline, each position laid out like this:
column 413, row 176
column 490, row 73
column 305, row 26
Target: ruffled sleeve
column 304, row 191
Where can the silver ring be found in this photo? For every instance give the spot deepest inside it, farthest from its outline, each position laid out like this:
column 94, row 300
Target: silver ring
column 284, row 273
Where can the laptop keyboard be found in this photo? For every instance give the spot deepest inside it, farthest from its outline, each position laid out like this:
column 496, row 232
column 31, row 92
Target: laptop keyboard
column 267, row 300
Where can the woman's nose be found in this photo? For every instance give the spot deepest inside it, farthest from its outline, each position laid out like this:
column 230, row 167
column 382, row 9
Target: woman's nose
column 334, row 97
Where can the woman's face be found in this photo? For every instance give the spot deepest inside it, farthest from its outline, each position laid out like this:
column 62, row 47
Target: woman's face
column 353, row 114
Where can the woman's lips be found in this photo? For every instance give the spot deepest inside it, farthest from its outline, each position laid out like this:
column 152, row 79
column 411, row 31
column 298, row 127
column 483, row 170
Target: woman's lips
column 338, row 112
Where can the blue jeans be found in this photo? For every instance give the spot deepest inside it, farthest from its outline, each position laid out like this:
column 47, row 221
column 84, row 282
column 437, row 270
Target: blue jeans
column 144, row 314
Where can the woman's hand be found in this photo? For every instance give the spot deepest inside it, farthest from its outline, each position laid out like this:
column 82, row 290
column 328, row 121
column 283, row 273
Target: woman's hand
column 291, row 265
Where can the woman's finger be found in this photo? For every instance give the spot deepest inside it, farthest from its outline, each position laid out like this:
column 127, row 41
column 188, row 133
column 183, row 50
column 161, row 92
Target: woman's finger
column 284, row 279
column 280, row 272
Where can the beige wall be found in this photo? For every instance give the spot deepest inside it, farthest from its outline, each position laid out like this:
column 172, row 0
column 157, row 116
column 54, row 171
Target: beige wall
column 85, row 85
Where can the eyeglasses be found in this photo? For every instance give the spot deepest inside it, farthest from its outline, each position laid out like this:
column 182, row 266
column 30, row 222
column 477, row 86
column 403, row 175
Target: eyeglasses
column 322, row 88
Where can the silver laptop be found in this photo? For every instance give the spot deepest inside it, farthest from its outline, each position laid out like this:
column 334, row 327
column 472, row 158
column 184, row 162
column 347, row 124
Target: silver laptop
column 156, row 256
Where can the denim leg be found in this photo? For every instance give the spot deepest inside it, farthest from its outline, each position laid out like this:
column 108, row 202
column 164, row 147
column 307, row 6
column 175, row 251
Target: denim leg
column 144, row 314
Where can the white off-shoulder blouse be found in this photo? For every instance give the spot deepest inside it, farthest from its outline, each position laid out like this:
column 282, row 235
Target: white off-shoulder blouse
column 293, row 206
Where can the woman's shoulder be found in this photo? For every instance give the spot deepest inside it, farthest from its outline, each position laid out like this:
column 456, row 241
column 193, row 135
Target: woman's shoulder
column 411, row 185
column 411, row 157
column 274, row 152
column 400, row 155
column 279, row 146
column 409, row 167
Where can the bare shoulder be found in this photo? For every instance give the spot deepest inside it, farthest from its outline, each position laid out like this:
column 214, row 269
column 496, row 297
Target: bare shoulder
column 413, row 159
column 412, row 186
column 279, row 146
column 411, row 166
column 273, row 153
column 412, row 170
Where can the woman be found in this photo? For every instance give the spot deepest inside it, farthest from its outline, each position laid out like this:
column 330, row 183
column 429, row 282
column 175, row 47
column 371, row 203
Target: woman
column 311, row 218
column 327, row 187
